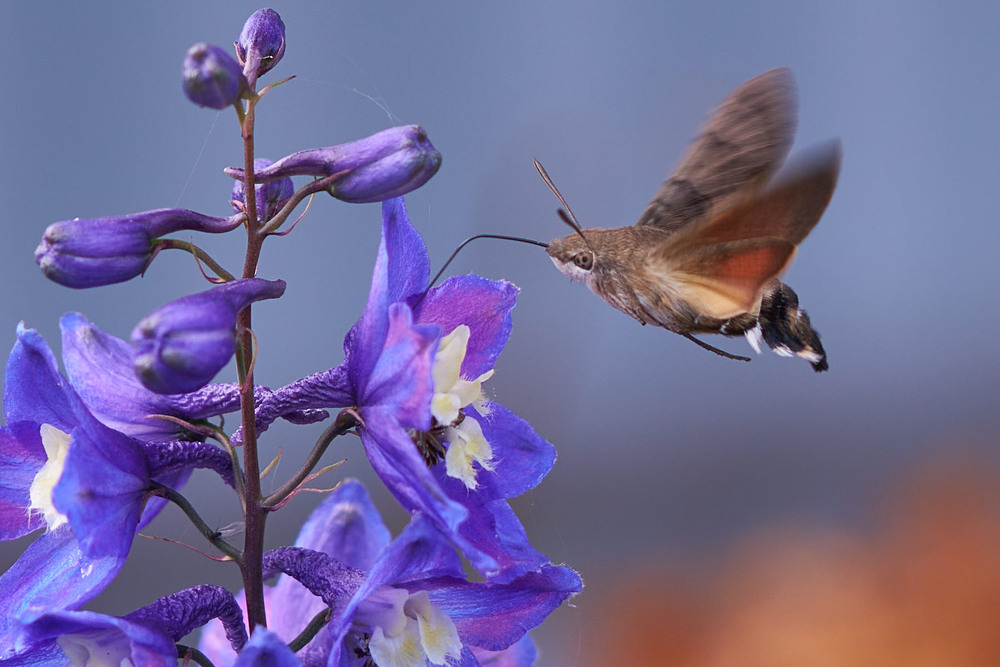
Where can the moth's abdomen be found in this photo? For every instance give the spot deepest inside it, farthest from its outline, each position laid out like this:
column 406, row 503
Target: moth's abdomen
column 786, row 328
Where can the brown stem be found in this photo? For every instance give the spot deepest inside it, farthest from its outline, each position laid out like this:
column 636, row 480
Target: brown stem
column 255, row 512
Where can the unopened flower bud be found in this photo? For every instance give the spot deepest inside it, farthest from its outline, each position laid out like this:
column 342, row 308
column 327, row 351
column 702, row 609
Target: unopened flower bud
column 271, row 196
column 261, row 43
column 181, row 346
column 211, row 78
column 387, row 164
column 102, row 251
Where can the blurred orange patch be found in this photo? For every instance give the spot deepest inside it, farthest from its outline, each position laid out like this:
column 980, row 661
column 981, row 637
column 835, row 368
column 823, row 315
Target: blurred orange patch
column 923, row 590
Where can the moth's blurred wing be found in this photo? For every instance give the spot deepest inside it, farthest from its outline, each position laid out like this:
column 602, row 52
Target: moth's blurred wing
column 744, row 142
column 788, row 209
column 723, row 280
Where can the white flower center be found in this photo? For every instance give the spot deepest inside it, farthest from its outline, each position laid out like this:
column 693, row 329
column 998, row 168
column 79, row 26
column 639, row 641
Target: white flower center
column 98, row 648
column 408, row 631
column 56, row 444
column 466, row 444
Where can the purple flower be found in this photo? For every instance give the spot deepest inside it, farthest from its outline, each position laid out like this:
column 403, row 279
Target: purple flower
column 271, row 196
column 146, row 637
column 63, row 470
column 414, row 373
column 413, row 593
column 182, row 345
column 387, row 164
column 261, row 44
column 211, row 78
column 102, row 251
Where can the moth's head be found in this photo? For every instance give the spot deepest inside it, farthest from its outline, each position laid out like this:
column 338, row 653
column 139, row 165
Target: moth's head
column 573, row 256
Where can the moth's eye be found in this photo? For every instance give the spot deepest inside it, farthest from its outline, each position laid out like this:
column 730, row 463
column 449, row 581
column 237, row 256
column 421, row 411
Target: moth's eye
column 584, row 260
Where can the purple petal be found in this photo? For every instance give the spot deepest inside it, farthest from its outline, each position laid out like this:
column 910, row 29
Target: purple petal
column 166, row 458
column 418, row 551
column 401, row 377
column 494, row 616
column 347, row 526
column 482, row 305
column 522, row 456
column 52, row 573
column 403, row 471
column 401, row 269
column 34, row 390
column 101, row 488
column 177, row 615
column 521, row 654
column 143, row 646
column 21, row 457
column 266, row 649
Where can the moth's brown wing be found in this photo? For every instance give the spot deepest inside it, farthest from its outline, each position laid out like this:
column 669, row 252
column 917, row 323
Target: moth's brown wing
column 787, row 209
column 740, row 147
column 720, row 266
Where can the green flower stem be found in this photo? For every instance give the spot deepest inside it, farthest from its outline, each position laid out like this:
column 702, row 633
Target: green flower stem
column 202, row 256
column 346, row 420
column 210, row 534
column 255, row 513
column 315, row 625
column 310, row 188
column 184, row 651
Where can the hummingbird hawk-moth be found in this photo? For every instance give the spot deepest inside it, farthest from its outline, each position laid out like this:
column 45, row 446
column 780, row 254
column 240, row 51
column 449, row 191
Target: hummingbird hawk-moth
column 706, row 253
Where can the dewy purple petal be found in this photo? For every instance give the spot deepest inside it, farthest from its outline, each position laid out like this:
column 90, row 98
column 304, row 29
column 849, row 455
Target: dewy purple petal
column 324, row 576
column 210, row 77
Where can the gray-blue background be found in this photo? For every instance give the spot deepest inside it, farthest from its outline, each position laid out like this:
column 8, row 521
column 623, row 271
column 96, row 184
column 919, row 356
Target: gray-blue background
column 662, row 447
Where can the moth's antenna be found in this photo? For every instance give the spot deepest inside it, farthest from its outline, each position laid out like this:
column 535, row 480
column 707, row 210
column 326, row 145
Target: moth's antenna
column 467, row 242
column 566, row 213
column 712, row 348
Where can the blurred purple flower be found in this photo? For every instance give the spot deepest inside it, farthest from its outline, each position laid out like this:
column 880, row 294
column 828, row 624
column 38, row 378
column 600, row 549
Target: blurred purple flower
column 211, row 78
column 182, row 345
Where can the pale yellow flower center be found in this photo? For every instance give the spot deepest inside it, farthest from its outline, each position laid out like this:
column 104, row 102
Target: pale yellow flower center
column 56, row 444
